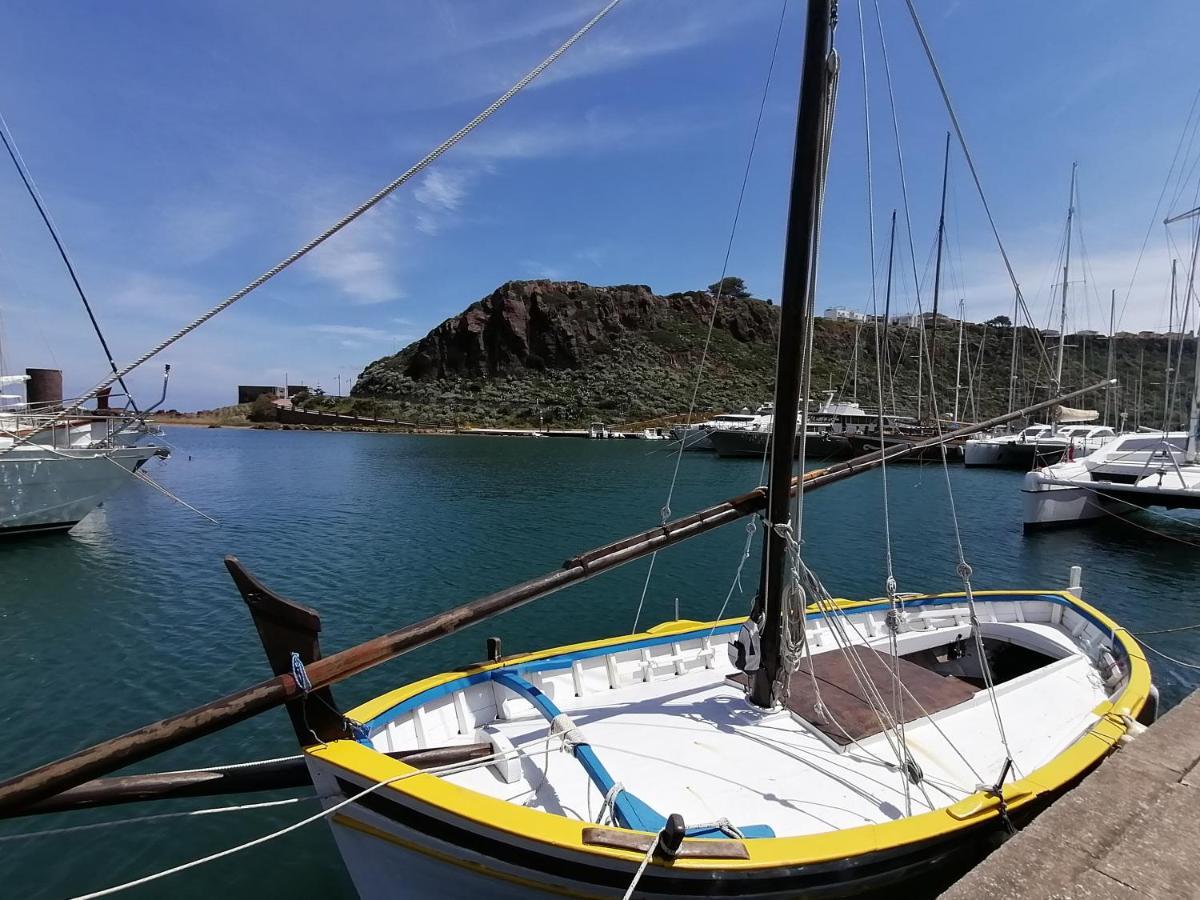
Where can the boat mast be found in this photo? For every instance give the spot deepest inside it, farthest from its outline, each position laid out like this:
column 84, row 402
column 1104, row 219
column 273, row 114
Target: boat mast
column 887, row 318
column 854, row 379
column 937, row 281
column 1012, row 374
column 1062, row 315
column 795, row 308
column 1108, row 370
column 962, row 314
column 1167, row 372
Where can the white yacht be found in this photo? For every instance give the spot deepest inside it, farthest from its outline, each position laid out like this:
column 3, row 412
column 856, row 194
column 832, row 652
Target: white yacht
column 1125, row 474
column 1036, row 445
column 699, row 437
column 53, row 473
column 825, row 436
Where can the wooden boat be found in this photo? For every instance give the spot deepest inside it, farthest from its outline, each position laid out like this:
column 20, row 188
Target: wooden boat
column 813, row 792
column 814, row 747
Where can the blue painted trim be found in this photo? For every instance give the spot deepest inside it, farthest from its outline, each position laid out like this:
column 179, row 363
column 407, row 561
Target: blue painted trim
column 629, row 811
column 564, row 660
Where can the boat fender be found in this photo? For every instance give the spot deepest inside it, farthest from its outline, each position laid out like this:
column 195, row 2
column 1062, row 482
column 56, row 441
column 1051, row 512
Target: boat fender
column 1133, row 729
column 1149, row 713
column 745, row 651
column 670, row 839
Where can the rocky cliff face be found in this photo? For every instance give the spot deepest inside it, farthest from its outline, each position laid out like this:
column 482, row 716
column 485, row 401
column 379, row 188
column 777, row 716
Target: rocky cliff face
column 534, row 326
column 566, row 353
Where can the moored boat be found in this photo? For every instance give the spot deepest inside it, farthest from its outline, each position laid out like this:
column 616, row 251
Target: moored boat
column 809, row 798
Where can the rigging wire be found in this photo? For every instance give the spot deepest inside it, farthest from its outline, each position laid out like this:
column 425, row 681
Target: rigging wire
column 889, row 568
column 10, row 144
column 937, row 74
column 1188, row 125
column 712, row 319
column 371, row 202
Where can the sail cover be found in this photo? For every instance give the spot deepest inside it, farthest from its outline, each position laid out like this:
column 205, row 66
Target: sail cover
column 1067, row 415
column 12, row 379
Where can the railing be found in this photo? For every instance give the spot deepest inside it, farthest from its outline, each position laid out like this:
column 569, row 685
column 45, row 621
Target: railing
column 56, row 429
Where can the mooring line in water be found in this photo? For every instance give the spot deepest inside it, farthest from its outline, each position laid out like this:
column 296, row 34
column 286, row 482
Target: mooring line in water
column 1178, row 662
column 146, row 479
column 451, row 769
column 111, row 823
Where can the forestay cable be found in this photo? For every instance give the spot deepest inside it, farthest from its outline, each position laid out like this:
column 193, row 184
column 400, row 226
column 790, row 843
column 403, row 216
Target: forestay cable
column 371, row 202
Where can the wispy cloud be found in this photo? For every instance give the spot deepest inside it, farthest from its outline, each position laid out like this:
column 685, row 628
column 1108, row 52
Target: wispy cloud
column 439, row 194
column 362, row 261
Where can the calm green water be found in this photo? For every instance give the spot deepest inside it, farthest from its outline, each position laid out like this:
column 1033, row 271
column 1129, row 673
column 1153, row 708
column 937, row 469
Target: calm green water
column 132, row 616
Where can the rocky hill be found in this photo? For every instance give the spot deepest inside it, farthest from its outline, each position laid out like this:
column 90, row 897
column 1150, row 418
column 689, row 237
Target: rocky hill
column 568, row 353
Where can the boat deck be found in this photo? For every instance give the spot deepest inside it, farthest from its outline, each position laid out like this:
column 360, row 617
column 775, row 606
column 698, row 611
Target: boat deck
column 690, row 744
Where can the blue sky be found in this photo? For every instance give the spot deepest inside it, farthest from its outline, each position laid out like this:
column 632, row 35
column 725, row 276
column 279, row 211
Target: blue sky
column 185, row 148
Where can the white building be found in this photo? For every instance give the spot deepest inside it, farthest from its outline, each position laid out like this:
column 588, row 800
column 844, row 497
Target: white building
column 843, row 314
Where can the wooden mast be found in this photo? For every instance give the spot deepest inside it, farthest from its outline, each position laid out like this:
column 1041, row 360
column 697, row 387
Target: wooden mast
column 795, row 301
column 937, row 282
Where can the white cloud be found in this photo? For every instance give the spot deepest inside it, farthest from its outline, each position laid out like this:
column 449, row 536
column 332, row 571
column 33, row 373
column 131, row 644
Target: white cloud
column 362, row 261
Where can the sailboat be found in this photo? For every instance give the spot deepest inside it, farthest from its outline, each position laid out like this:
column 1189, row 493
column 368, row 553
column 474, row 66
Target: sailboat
column 54, row 471
column 816, row 746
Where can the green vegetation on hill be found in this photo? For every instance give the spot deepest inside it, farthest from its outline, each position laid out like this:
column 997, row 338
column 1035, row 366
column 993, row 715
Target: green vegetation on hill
column 567, row 354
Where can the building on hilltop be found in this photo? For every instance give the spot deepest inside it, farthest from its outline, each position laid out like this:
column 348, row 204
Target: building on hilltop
column 844, row 314
column 248, row 393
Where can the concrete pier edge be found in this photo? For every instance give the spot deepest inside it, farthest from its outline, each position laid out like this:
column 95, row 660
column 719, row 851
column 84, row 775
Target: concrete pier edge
column 1129, row 830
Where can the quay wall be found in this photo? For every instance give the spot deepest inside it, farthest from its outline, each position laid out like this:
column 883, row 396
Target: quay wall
column 1130, row 830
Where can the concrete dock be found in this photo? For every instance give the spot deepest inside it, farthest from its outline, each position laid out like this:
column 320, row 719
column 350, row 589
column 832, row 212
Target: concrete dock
column 1130, row 830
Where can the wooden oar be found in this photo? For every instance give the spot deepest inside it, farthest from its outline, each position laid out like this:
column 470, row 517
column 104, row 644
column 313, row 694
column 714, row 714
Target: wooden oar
column 150, row 740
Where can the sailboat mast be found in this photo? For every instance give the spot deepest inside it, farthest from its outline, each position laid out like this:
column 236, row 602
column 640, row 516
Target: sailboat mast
column 1167, row 371
column 857, row 334
column 887, row 318
column 937, row 279
column 1108, row 370
column 1062, row 315
column 1194, row 417
column 795, row 302
column 1012, row 367
column 962, row 315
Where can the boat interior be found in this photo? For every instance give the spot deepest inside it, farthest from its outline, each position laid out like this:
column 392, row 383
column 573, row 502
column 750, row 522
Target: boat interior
column 658, row 724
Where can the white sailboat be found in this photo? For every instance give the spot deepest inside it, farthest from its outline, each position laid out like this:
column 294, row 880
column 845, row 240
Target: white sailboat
column 55, row 470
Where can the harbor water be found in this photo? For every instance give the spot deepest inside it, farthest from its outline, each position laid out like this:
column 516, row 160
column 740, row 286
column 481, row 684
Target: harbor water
column 132, row 617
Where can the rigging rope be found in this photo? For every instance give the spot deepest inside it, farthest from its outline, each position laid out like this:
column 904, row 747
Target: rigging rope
column 363, row 207
column 712, row 319
column 22, row 168
column 449, row 769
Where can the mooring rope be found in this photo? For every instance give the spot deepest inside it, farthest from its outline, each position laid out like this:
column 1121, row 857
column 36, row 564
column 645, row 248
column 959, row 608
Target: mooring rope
column 363, row 207
column 450, row 769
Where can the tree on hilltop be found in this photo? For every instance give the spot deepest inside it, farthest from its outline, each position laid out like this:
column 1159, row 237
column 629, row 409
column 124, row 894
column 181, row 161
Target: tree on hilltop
column 730, row 286
column 999, row 322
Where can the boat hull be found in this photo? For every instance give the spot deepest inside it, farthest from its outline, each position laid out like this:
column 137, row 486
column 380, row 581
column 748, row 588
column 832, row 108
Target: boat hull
column 431, row 836
column 52, row 490
column 753, row 445
column 394, row 848
column 861, row 444
column 1009, row 454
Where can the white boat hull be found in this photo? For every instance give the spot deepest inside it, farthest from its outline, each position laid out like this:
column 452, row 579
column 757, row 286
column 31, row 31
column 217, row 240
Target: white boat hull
column 52, row 490
column 660, row 710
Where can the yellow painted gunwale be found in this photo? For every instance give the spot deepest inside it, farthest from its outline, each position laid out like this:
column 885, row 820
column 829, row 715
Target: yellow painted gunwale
column 566, row 835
